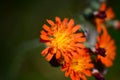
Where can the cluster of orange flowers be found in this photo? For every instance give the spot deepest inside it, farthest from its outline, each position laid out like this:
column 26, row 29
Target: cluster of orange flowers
column 66, row 47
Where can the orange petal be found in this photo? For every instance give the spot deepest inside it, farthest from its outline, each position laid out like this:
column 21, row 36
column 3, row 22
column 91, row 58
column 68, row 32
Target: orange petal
column 46, row 28
column 58, row 20
column 108, row 63
column 51, row 22
column 70, row 26
column 110, row 13
column 72, row 75
column 77, row 76
column 58, row 55
column 112, row 56
column 99, row 21
column 88, row 72
column 44, row 37
column 83, row 39
column 65, row 21
column 70, row 55
column 83, row 77
column 71, row 23
column 105, row 29
column 108, row 40
column 105, row 36
column 43, row 32
column 74, row 54
column 49, row 56
column 64, row 68
column 67, row 73
column 45, row 51
column 99, row 28
column 81, row 52
column 110, row 45
column 80, row 45
column 103, row 6
column 77, row 35
column 77, row 27
column 66, row 57
column 98, row 38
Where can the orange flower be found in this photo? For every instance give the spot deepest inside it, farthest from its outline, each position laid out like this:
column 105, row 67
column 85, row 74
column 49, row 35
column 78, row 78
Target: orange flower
column 109, row 11
column 62, row 39
column 79, row 67
column 104, row 14
column 105, row 42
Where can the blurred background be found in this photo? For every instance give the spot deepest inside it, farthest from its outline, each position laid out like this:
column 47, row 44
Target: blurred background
column 21, row 22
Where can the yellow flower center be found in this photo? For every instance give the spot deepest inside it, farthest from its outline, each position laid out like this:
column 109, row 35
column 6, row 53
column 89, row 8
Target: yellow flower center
column 77, row 64
column 61, row 40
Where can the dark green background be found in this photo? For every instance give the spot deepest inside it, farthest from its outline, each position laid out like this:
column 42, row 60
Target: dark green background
column 21, row 22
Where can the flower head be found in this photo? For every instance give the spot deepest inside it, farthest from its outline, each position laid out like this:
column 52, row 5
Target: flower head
column 78, row 67
column 106, row 46
column 62, row 39
column 104, row 14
